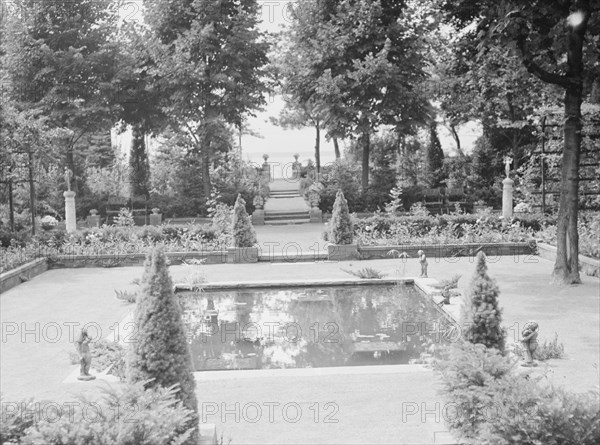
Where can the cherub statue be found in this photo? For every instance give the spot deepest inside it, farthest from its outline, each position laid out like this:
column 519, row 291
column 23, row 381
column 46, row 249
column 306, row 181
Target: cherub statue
column 68, row 176
column 423, row 262
column 82, row 344
column 529, row 341
column 507, row 161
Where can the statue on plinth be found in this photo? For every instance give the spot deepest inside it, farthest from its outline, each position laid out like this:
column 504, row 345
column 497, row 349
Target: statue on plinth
column 68, row 177
column 507, row 161
column 423, row 262
column 82, row 344
column 529, row 341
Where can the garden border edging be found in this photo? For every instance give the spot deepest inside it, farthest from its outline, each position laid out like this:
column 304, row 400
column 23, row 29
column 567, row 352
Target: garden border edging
column 591, row 266
column 24, row 272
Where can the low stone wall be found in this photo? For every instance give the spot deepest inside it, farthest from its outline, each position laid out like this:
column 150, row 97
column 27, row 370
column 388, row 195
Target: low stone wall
column 447, row 250
column 589, row 266
column 22, row 273
column 135, row 259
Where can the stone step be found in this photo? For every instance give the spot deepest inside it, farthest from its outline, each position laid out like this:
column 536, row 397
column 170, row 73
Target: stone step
column 284, row 196
column 281, row 222
column 286, row 215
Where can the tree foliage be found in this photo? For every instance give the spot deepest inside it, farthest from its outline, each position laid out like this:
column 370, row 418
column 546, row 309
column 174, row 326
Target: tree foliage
column 160, row 350
column 243, row 232
column 483, row 318
column 210, row 58
column 341, row 230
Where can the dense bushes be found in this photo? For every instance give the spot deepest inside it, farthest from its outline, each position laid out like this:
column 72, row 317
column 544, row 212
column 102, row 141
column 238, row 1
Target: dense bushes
column 129, row 415
column 114, row 240
column 490, row 403
column 383, row 229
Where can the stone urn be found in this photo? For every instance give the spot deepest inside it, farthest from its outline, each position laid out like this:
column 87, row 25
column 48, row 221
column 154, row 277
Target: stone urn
column 93, row 212
column 258, row 202
column 265, row 157
column 155, row 211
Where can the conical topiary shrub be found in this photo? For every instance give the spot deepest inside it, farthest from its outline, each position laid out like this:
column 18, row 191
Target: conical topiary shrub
column 242, row 230
column 159, row 348
column 483, row 317
column 341, row 231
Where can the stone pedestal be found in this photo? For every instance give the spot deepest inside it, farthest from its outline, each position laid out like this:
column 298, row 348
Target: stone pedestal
column 155, row 219
column 93, row 220
column 258, row 217
column 70, row 217
column 208, row 434
column 316, row 215
column 266, row 171
column 507, row 198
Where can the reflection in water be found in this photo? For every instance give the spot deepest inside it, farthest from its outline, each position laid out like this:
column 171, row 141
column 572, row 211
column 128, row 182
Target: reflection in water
column 310, row 327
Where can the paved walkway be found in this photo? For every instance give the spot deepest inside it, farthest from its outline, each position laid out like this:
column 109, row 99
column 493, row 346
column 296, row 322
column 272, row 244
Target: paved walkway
column 368, row 402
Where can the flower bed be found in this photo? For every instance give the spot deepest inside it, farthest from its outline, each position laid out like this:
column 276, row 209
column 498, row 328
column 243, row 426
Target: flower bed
column 588, row 228
column 113, row 241
column 382, row 229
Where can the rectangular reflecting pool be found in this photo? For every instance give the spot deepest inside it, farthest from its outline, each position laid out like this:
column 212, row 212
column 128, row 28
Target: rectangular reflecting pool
column 303, row 327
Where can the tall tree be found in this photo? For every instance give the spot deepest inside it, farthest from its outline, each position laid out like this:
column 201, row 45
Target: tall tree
column 365, row 63
column 60, row 58
column 558, row 43
column 159, row 354
column 434, row 158
column 210, row 58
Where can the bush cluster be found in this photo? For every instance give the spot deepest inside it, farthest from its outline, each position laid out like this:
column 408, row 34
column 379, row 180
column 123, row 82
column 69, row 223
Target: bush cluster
column 493, row 404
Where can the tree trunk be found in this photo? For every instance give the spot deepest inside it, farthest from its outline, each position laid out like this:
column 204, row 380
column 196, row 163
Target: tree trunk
column 206, row 143
column 566, row 267
column 457, row 141
column 318, row 147
column 31, row 192
column 336, row 148
column 138, row 163
column 366, row 146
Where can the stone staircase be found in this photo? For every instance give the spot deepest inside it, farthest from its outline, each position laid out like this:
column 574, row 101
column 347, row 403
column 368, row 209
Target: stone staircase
column 285, row 205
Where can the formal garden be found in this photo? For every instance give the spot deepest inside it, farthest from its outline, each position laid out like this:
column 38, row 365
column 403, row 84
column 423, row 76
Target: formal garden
column 428, row 273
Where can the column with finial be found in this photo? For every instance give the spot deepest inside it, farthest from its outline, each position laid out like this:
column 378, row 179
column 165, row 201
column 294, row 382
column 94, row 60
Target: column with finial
column 507, row 191
column 70, row 215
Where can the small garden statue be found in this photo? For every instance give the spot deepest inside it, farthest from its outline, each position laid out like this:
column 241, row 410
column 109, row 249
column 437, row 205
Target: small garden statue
column 68, row 176
column 529, row 341
column 423, row 262
column 82, row 344
column 507, row 161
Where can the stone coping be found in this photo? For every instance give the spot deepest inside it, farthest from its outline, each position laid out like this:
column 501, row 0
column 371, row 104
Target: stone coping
column 232, row 285
column 22, row 273
column 548, row 251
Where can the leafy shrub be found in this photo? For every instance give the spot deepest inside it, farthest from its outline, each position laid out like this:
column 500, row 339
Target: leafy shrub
column 496, row 405
column 17, row 418
column 159, row 418
column 242, row 231
column 545, row 351
column 105, row 354
column 152, row 234
column 482, row 313
column 126, row 295
column 125, row 218
column 366, row 273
